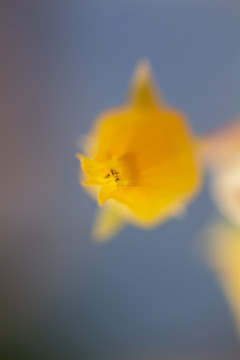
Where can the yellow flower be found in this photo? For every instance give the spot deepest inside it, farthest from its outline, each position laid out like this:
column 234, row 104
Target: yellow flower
column 224, row 255
column 140, row 159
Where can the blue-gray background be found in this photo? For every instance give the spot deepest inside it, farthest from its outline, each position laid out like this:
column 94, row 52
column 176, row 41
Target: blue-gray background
column 144, row 295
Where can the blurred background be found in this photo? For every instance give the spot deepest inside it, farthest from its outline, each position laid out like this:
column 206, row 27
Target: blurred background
column 143, row 295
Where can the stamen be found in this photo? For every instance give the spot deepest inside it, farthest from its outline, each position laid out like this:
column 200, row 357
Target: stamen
column 114, row 174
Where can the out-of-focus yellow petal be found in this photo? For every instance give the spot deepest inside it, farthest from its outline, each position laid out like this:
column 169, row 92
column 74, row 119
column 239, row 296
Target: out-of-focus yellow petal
column 109, row 220
column 224, row 254
column 91, row 167
column 150, row 204
column 151, row 136
column 143, row 91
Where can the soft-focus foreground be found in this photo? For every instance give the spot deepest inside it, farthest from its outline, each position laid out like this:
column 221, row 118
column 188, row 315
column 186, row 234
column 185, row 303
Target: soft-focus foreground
column 141, row 156
column 223, row 237
column 223, row 159
column 223, row 251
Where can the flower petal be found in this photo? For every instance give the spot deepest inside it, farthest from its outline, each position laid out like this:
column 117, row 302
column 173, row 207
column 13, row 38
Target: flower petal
column 143, row 91
column 109, row 220
column 149, row 204
column 105, row 192
column 223, row 251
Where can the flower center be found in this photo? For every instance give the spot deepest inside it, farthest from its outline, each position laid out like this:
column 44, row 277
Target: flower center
column 113, row 175
column 120, row 171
